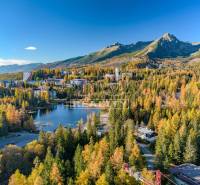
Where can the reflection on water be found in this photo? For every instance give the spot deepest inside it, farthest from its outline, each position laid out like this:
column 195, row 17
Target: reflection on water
column 49, row 119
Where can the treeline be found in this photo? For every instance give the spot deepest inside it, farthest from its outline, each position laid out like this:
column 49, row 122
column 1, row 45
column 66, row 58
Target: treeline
column 14, row 106
column 94, row 73
column 12, row 119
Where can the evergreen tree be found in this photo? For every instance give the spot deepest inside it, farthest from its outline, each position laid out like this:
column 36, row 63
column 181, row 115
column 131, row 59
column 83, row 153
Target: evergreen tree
column 112, row 141
column 68, row 169
column 129, row 138
column 125, row 110
column 190, row 154
column 109, row 173
column 48, row 162
column 78, row 160
column 70, row 181
column 171, row 152
column 177, row 148
column 89, row 130
column 3, row 124
column 118, row 133
column 112, row 115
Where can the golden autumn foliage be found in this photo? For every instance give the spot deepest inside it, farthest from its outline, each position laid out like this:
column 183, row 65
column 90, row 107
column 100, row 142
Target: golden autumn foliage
column 35, row 147
column 102, row 180
column 165, row 100
column 117, row 158
column 12, row 114
column 123, row 178
column 83, row 178
column 135, row 158
column 148, row 175
column 35, row 177
column 38, row 181
column 17, row 178
column 55, row 175
column 95, row 158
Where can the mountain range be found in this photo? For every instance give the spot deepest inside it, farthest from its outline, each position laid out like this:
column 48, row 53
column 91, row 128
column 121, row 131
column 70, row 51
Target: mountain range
column 165, row 47
column 14, row 68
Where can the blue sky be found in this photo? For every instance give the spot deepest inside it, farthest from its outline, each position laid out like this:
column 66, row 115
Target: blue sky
column 51, row 30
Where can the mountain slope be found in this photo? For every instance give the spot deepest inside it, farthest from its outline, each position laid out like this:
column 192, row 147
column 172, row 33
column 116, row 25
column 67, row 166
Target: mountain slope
column 196, row 54
column 168, row 46
column 19, row 68
column 109, row 52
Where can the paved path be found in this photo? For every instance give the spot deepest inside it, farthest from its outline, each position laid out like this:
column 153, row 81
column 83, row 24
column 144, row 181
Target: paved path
column 17, row 138
column 150, row 158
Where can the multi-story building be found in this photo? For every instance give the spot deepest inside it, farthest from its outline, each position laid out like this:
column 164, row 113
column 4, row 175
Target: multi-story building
column 38, row 91
column 78, row 82
column 117, row 74
column 110, row 77
column 27, row 76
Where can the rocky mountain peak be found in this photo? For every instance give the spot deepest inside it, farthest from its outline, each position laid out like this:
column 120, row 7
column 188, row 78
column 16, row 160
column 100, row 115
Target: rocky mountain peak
column 169, row 37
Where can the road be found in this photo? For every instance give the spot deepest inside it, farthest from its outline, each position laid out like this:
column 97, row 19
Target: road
column 150, row 158
column 17, row 138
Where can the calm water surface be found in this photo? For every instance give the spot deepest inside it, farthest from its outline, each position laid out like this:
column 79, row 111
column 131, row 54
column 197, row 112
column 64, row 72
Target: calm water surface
column 49, row 120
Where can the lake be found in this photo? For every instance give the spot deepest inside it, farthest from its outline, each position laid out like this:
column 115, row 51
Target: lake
column 49, row 119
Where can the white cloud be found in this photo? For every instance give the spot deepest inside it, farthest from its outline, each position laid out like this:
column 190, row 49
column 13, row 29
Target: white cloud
column 14, row 61
column 31, row 48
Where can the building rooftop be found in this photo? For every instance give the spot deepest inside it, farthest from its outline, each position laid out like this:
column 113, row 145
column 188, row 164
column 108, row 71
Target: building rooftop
column 189, row 173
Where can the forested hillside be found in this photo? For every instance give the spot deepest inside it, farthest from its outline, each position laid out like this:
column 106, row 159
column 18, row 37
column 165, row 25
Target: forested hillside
column 165, row 100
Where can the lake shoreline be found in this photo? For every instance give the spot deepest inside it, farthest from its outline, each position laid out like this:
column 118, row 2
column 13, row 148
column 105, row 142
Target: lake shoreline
column 90, row 104
column 78, row 111
column 20, row 138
